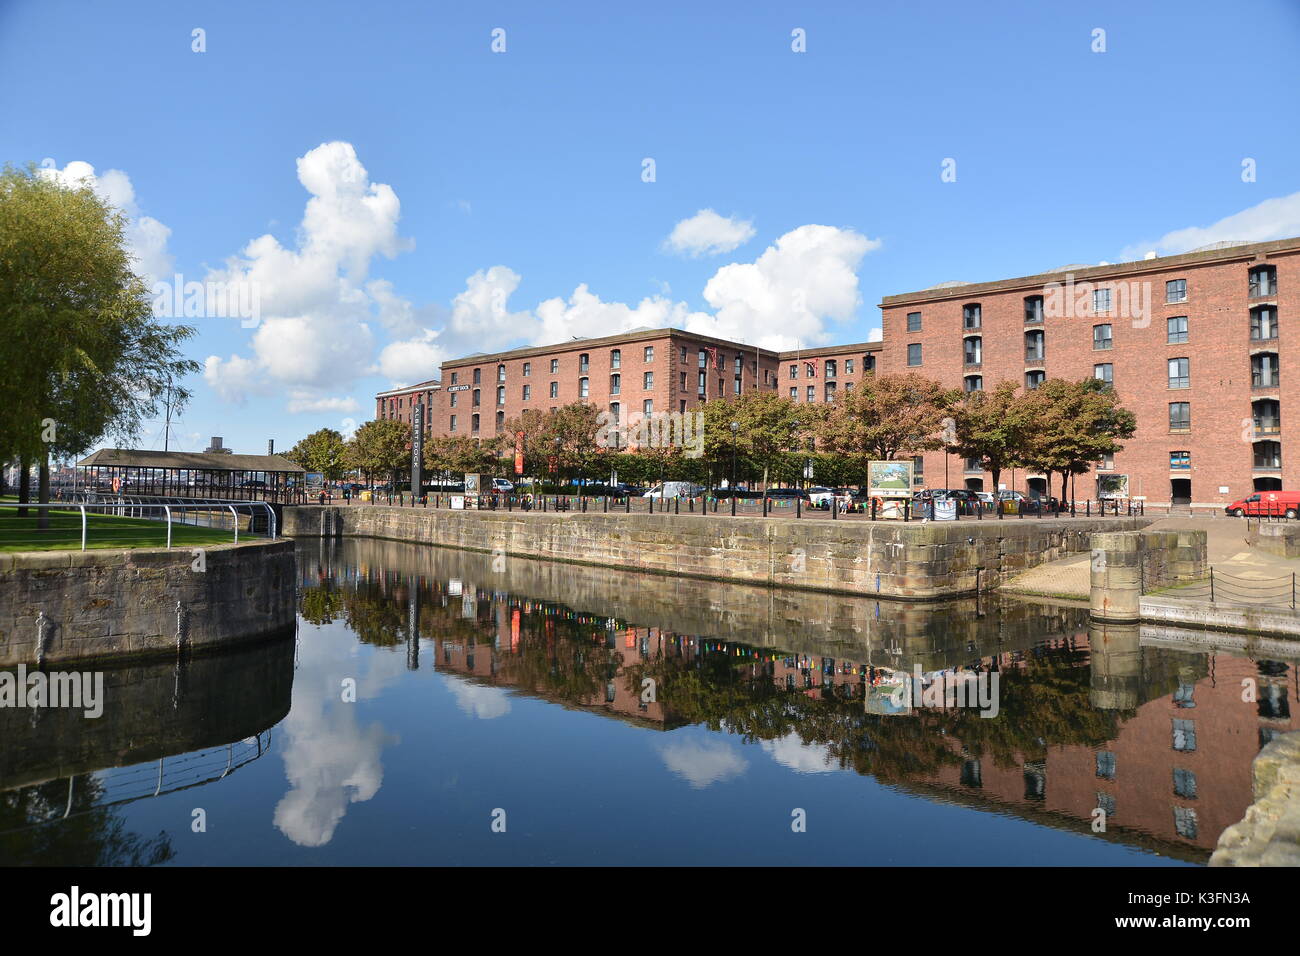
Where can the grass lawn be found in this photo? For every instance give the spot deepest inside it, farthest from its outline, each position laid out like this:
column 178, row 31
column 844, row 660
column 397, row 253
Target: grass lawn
column 102, row 531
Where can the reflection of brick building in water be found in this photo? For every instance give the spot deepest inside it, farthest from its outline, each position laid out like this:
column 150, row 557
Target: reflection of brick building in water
column 1178, row 770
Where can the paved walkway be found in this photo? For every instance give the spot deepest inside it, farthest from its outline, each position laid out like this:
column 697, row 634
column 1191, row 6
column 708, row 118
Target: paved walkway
column 1226, row 550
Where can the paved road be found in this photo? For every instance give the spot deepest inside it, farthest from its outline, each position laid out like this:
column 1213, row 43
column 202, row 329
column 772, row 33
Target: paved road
column 1226, row 550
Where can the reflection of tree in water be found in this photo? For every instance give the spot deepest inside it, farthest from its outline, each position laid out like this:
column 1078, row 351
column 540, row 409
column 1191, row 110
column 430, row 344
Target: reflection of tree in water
column 561, row 659
column 1043, row 703
column 321, row 605
column 90, row 836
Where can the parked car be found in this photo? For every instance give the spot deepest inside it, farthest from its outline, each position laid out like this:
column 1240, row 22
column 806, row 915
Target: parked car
column 674, row 489
column 502, row 485
column 786, row 494
column 819, row 494
column 1274, row 503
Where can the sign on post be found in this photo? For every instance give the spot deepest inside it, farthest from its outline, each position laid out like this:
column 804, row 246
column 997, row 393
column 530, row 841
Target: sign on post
column 889, row 479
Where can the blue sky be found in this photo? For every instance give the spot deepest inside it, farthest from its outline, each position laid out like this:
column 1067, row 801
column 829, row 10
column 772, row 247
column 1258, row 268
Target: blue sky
column 398, row 193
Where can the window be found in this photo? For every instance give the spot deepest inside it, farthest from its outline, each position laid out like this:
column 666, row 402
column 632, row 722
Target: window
column 829, row 392
column 615, row 409
column 737, row 385
column 648, row 407
column 476, row 398
column 1034, row 346
column 1180, row 416
column 478, row 376
column 831, row 368
column 683, row 382
column 914, row 354
column 704, row 382
column 1107, row 463
column 794, row 393
column 501, row 373
column 1184, row 735
column 1263, row 322
column 914, row 321
column 1100, row 301
column 452, row 426
column 1180, row 460
column 848, row 367
column 1263, row 281
column 1176, row 291
column 704, row 361
column 1267, row 416
column 584, row 387
column 555, row 366
column 649, row 355
column 809, row 370
column 973, row 465
column 615, row 384
column 528, row 392
column 1177, row 328
column 1033, row 308
column 1268, row 455
column 1179, row 373
column 1105, row 372
column 1264, row 370
column 452, row 402
column 1184, row 784
column 616, row 358
column 1035, row 378
column 869, row 362
column 1101, row 336
column 1185, row 823
column 794, row 371
column 528, row 369
column 555, row 390
column 501, row 394
column 501, row 422
column 812, row 393
column 455, row 376
column 973, row 383
column 584, row 363
column 739, row 364
column 971, row 316
column 648, row 380
column 973, row 349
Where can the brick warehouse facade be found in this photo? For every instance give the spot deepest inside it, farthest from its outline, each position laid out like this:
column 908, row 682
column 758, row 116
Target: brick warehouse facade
column 1190, row 342
column 651, row 370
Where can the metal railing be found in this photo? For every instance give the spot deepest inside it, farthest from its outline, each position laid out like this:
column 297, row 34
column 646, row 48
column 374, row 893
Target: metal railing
column 1220, row 587
column 759, row 505
column 72, row 518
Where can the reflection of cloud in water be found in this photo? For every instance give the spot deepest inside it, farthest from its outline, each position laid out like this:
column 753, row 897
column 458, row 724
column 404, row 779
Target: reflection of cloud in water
column 479, row 700
column 703, row 762
column 790, row 751
column 329, row 760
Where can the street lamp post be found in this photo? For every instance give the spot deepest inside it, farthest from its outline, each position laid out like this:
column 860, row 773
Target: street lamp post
column 735, row 427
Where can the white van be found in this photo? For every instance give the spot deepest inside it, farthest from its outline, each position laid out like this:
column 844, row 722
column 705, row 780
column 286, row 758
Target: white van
column 675, row 489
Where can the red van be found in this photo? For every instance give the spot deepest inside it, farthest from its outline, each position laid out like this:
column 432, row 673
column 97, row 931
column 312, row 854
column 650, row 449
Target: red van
column 1278, row 504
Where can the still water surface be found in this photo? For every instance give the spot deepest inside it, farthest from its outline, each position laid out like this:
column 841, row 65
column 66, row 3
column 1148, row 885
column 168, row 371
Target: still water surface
column 429, row 694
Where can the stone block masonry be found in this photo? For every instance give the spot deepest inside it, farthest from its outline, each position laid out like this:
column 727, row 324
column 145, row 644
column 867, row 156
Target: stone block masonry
column 123, row 604
column 909, row 561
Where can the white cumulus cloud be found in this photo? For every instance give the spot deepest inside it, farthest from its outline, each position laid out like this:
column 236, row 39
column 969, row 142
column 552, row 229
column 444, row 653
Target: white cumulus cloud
column 708, row 234
column 1276, row 218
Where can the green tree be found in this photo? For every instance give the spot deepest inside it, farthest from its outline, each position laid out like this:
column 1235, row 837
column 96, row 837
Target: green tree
column 381, row 447
column 768, row 427
column 1075, row 424
column 323, row 451
column 83, row 354
column 454, row 456
column 993, row 426
column 885, row 416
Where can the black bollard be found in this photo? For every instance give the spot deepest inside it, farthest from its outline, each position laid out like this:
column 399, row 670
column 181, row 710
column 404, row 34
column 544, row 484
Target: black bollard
column 677, row 506
column 798, row 507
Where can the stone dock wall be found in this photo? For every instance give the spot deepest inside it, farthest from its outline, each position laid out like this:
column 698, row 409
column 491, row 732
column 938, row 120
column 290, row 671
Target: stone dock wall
column 86, row 605
column 910, row 561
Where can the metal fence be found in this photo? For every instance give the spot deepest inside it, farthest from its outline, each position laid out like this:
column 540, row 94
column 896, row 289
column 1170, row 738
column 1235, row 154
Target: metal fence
column 77, row 521
column 873, row 509
column 1222, row 587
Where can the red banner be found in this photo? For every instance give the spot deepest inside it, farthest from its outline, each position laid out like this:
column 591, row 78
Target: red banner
column 519, row 453
column 713, row 355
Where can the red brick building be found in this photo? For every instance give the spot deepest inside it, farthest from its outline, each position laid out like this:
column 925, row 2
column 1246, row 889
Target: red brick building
column 650, row 370
column 1190, row 342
